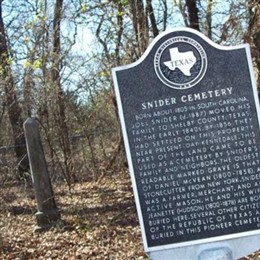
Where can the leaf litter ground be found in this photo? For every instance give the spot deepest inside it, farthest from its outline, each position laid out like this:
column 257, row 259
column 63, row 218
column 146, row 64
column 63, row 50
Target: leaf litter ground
column 99, row 221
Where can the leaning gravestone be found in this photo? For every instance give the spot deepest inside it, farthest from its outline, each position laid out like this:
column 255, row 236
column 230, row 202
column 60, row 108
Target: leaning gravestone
column 47, row 211
column 190, row 118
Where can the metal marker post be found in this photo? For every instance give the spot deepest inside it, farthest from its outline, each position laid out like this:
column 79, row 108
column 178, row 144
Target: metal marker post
column 223, row 253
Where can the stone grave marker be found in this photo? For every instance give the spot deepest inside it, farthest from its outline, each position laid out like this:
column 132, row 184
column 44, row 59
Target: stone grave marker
column 47, row 211
column 189, row 113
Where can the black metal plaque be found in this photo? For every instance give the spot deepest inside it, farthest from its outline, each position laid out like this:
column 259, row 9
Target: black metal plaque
column 189, row 113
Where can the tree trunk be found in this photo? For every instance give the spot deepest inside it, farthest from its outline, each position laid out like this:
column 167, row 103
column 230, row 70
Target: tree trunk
column 140, row 24
column 165, row 14
column 253, row 36
column 193, row 14
column 120, row 29
column 150, row 14
column 56, row 79
column 13, row 107
column 209, row 18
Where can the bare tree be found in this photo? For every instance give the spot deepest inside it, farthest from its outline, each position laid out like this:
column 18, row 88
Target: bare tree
column 150, row 14
column 122, row 31
column 209, row 18
column 140, row 24
column 56, row 79
column 193, row 14
column 13, row 107
column 253, row 34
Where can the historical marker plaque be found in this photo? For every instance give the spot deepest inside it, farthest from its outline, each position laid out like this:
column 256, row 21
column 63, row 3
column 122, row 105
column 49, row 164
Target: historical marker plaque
column 190, row 118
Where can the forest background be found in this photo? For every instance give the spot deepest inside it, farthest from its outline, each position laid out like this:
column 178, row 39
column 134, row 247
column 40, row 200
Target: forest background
column 55, row 64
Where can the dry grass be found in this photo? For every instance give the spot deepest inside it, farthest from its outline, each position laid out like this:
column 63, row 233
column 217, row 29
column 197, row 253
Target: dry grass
column 98, row 222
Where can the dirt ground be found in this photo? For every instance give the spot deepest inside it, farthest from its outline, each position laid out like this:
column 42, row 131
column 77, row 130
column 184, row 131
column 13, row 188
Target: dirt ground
column 99, row 221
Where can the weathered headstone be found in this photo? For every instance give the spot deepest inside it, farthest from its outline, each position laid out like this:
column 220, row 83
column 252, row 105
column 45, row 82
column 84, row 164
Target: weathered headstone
column 47, row 213
column 189, row 113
